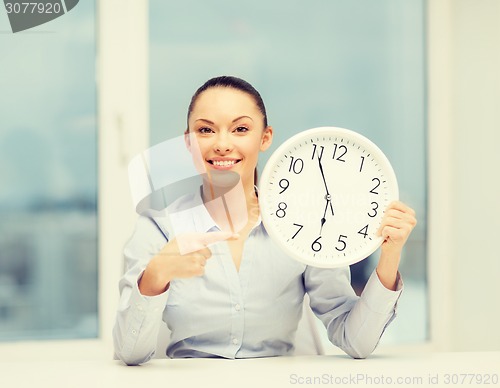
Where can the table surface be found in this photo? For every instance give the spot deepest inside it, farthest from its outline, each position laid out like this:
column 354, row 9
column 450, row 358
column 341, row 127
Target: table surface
column 41, row 366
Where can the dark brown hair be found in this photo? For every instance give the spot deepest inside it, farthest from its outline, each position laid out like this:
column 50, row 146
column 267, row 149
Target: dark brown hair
column 234, row 83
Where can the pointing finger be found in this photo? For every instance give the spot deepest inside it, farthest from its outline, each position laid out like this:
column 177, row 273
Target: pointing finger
column 192, row 242
column 207, row 239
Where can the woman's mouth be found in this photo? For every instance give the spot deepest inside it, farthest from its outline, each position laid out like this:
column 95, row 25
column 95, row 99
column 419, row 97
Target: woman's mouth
column 222, row 164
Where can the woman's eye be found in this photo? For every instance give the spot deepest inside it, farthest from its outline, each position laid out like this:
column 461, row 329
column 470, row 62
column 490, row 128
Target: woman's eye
column 205, row 130
column 241, row 129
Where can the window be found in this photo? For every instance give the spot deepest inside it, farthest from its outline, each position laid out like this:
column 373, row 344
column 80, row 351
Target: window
column 48, row 173
column 358, row 65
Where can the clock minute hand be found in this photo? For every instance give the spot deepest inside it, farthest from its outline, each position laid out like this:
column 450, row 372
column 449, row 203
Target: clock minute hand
column 323, row 175
column 327, row 197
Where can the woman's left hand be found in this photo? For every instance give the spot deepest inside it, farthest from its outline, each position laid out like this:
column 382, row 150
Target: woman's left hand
column 396, row 226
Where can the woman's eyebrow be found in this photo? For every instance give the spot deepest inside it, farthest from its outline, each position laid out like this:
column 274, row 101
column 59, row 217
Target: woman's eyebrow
column 205, row 120
column 235, row 120
column 242, row 117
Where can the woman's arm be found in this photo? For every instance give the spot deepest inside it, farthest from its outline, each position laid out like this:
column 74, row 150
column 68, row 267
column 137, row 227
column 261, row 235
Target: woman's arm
column 152, row 262
column 356, row 324
column 138, row 316
column 184, row 256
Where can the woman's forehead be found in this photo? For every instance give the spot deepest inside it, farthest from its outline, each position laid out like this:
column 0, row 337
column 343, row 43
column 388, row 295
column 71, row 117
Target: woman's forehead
column 224, row 102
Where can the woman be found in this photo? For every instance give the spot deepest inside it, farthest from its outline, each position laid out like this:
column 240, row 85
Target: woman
column 237, row 295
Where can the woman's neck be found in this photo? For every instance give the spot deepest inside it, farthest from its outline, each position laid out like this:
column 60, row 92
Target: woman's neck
column 232, row 208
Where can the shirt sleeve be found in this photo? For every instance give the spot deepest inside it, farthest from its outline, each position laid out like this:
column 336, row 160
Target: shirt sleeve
column 138, row 317
column 354, row 324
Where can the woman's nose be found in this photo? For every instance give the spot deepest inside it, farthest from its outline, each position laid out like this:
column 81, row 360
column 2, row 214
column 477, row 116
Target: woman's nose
column 223, row 142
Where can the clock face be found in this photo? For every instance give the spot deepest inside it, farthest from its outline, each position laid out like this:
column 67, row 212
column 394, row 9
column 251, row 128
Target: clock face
column 323, row 194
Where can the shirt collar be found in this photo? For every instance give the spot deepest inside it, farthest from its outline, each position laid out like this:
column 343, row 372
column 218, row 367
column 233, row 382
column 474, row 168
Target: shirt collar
column 202, row 220
column 189, row 214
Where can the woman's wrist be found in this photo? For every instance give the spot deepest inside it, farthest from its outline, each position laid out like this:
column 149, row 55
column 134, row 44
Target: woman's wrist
column 387, row 268
column 154, row 280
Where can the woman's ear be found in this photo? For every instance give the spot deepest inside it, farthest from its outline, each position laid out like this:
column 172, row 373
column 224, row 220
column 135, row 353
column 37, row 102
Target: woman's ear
column 267, row 138
column 187, row 140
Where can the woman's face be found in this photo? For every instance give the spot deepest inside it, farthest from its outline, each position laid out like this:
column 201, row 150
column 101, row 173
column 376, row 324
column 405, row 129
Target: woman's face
column 229, row 129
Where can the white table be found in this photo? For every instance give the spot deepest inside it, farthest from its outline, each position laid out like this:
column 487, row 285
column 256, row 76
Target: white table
column 83, row 368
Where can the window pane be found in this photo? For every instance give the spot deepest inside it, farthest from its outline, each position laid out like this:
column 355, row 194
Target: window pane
column 48, row 175
column 358, row 65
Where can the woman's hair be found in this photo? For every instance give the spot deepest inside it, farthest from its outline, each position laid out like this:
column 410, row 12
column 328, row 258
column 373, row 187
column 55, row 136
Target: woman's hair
column 234, row 83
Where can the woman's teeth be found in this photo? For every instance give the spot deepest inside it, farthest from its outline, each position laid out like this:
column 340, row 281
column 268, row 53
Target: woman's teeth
column 223, row 163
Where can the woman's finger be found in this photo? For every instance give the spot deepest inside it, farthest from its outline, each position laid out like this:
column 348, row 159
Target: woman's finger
column 193, row 242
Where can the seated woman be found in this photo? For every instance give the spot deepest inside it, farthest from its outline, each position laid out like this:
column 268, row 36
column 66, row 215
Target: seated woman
column 238, row 295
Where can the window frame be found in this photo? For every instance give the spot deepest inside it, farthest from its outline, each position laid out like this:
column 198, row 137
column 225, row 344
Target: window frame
column 122, row 67
column 123, row 127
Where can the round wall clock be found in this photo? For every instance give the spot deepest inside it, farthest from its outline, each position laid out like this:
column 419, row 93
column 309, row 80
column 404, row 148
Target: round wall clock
column 323, row 194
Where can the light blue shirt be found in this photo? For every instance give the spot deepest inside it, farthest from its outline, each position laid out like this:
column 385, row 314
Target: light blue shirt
column 253, row 312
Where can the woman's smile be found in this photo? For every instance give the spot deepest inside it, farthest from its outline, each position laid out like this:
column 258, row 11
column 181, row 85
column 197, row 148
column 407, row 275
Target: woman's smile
column 219, row 163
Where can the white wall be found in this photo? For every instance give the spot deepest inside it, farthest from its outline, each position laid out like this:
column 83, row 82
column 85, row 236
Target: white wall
column 464, row 173
column 123, row 94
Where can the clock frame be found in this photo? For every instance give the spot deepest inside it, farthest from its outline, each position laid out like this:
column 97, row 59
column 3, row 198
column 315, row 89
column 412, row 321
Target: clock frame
column 323, row 194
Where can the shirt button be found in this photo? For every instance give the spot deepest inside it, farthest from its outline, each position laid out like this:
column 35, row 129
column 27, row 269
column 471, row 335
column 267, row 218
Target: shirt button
column 237, row 307
column 235, row 341
column 134, row 332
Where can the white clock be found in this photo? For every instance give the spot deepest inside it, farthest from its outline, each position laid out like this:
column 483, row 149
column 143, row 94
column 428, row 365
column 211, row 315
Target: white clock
column 323, row 194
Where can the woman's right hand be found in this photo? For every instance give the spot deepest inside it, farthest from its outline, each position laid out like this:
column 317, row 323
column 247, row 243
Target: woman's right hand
column 182, row 257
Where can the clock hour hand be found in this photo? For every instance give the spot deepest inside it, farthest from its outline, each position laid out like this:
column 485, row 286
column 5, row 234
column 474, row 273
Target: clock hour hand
column 323, row 220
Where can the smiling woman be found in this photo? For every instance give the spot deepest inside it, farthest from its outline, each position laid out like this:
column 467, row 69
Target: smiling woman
column 219, row 290
column 358, row 65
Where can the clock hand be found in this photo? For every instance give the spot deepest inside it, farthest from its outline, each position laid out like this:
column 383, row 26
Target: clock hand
column 327, row 196
column 323, row 220
column 323, row 175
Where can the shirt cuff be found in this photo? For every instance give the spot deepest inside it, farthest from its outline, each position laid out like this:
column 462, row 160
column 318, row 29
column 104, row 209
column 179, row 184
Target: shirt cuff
column 379, row 298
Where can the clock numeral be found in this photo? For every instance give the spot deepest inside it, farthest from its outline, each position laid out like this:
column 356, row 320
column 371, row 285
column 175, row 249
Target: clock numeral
column 343, row 244
column 284, row 184
column 316, row 245
column 376, row 186
column 364, row 231
column 297, row 232
column 280, row 213
column 342, row 150
column 362, row 161
column 296, row 165
column 374, row 209
column 320, row 153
